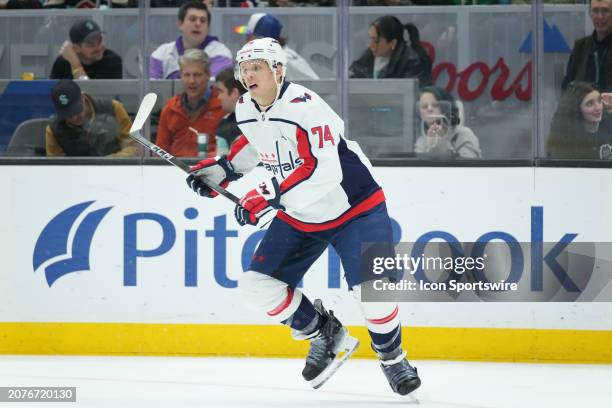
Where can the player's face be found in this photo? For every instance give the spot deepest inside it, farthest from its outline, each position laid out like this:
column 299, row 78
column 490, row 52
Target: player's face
column 592, row 107
column 259, row 80
column 194, row 27
column 601, row 15
column 379, row 46
column 92, row 49
column 194, row 79
column 429, row 107
column 228, row 99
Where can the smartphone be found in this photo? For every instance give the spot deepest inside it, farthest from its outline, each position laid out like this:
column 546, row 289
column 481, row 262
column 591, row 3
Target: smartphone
column 441, row 120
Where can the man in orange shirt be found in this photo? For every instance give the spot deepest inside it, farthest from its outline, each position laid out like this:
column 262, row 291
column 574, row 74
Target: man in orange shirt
column 198, row 107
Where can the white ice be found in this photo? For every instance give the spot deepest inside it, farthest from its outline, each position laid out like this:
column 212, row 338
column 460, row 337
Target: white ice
column 137, row 382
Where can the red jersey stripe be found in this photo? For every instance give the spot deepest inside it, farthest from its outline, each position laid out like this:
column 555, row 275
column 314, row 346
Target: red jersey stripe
column 304, row 171
column 237, row 146
column 372, row 201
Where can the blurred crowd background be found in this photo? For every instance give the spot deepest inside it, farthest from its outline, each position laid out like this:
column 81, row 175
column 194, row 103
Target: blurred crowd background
column 490, row 79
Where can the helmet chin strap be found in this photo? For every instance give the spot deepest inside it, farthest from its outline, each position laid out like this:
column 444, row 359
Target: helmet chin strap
column 279, row 85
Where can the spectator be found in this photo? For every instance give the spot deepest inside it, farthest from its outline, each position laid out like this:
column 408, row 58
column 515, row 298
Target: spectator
column 89, row 4
column 20, row 4
column 575, row 131
column 198, row 107
column 263, row 25
column 238, row 3
column 178, row 3
column 442, row 135
column 83, row 126
column 78, row 4
column 193, row 23
column 591, row 57
column 85, row 56
column 230, row 91
column 385, row 3
column 389, row 56
column 292, row 3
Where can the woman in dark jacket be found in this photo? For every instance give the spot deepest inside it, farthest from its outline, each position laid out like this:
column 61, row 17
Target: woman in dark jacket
column 575, row 131
column 389, row 56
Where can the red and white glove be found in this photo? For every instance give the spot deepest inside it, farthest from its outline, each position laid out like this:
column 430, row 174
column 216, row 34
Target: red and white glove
column 266, row 194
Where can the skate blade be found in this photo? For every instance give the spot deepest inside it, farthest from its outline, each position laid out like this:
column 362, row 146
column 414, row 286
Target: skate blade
column 346, row 349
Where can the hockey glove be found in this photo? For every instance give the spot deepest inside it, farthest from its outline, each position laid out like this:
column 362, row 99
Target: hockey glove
column 244, row 217
column 218, row 171
column 266, row 194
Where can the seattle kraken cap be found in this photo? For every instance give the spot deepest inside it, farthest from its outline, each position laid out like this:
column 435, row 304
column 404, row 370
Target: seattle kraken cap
column 67, row 100
column 83, row 29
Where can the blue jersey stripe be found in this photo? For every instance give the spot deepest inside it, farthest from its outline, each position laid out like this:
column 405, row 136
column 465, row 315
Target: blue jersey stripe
column 287, row 121
column 246, row 121
column 357, row 181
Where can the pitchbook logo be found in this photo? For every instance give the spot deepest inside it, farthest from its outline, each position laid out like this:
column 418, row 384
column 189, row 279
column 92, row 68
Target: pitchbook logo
column 64, row 246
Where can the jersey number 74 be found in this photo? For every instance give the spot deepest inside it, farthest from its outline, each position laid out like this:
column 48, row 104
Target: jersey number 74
column 324, row 135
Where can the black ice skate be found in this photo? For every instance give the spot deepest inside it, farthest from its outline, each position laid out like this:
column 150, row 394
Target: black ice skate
column 402, row 377
column 330, row 347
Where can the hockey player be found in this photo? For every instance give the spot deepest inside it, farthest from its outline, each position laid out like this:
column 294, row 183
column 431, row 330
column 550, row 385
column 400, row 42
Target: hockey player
column 323, row 188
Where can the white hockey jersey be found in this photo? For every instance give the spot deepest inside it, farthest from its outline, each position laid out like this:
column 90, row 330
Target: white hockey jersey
column 325, row 180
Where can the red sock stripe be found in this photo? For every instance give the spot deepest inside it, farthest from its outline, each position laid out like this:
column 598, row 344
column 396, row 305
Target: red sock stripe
column 283, row 305
column 387, row 319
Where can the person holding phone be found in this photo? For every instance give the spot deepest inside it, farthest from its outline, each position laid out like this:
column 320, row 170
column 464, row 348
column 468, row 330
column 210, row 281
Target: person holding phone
column 441, row 133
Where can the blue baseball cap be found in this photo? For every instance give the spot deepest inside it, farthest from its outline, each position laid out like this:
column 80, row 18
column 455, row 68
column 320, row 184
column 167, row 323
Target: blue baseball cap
column 261, row 25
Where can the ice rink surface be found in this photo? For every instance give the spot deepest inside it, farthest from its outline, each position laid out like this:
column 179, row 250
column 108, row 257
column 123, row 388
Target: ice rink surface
column 137, row 382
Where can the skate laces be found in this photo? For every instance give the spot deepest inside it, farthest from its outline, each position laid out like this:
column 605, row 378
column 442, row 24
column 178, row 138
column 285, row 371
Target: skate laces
column 319, row 349
column 399, row 372
column 322, row 345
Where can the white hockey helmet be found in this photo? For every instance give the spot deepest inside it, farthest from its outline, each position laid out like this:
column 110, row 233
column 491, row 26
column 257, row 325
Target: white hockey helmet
column 267, row 49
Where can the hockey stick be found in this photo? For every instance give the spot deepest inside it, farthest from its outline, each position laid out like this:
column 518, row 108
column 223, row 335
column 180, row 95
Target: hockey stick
column 146, row 106
column 144, row 110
